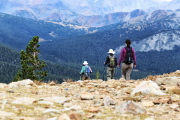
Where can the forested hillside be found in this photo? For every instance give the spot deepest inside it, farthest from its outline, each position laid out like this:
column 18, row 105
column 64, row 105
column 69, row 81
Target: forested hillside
column 10, row 64
column 159, row 62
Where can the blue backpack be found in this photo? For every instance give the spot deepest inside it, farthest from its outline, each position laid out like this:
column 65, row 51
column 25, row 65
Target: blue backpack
column 87, row 71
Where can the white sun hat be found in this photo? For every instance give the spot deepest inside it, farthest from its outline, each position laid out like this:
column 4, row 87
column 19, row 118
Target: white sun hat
column 111, row 51
column 85, row 63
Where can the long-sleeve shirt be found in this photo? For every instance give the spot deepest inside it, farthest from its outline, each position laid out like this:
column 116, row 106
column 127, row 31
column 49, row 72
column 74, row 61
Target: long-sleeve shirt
column 84, row 69
column 108, row 60
column 122, row 55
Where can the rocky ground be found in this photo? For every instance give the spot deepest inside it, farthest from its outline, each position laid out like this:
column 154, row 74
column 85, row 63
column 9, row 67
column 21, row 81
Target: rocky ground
column 153, row 98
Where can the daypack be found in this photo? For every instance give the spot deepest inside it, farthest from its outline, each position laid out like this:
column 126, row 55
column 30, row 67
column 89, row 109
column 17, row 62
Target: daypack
column 87, row 71
column 128, row 58
column 111, row 61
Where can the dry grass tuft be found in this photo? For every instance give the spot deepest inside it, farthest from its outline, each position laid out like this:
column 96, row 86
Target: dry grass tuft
column 132, row 99
column 175, row 91
column 37, row 82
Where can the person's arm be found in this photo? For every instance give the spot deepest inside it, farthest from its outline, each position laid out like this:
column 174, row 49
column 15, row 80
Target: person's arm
column 82, row 70
column 134, row 57
column 107, row 60
column 121, row 57
column 116, row 61
column 90, row 69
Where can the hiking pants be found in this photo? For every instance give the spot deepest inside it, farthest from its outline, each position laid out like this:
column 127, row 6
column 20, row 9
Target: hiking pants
column 85, row 77
column 126, row 71
column 110, row 73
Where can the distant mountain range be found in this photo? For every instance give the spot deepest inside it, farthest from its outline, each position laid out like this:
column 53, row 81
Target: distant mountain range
column 162, row 27
column 91, row 13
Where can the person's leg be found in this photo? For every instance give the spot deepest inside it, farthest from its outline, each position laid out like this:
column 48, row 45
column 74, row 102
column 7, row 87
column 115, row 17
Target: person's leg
column 108, row 73
column 89, row 78
column 112, row 73
column 128, row 72
column 123, row 70
column 83, row 77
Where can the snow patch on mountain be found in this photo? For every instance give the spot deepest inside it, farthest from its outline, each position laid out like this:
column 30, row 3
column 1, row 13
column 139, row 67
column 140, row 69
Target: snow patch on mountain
column 158, row 42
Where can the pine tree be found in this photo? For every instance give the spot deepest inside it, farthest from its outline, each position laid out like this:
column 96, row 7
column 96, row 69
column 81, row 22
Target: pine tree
column 31, row 66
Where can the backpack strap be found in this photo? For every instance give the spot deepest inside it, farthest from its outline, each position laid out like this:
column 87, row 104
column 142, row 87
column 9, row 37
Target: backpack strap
column 87, row 67
column 128, row 50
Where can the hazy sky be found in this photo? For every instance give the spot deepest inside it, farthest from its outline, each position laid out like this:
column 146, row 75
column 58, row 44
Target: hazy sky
column 32, row 2
column 162, row 0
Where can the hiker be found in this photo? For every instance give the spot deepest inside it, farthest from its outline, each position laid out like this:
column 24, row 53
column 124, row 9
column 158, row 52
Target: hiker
column 85, row 71
column 111, row 62
column 128, row 59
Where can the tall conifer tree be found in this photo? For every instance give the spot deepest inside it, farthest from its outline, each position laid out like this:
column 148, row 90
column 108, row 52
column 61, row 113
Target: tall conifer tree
column 31, row 66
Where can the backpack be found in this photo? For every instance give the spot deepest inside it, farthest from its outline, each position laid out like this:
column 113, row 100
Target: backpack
column 87, row 71
column 128, row 58
column 111, row 61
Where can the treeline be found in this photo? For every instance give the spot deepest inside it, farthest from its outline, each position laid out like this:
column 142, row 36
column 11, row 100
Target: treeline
column 159, row 62
column 10, row 64
column 7, row 71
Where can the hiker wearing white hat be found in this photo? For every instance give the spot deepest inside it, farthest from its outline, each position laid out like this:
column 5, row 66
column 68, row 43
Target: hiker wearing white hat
column 85, row 63
column 111, row 51
column 85, row 71
column 111, row 62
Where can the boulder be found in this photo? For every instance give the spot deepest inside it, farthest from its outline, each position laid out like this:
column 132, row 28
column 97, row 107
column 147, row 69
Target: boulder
column 26, row 83
column 172, row 81
column 148, row 87
column 50, row 111
column 173, row 89
column 147, row 103
column 108, row 101
column 86, row 96
column 75, row 116
column 3, row 85
column 6, row 114
column 64, row 117
column 55, row 99
column 24, row 100
column 130, row 107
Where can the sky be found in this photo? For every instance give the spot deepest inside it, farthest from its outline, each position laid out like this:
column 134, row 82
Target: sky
column 162, row 0
column 36, row 2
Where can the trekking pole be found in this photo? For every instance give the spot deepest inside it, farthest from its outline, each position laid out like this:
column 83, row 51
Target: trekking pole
column 80, row 77
column 104, row 72
column 116, row 72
